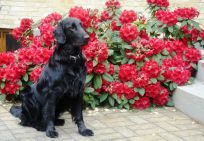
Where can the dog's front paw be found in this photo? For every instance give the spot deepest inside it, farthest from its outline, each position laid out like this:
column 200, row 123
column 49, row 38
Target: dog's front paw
column 51, row 133
column 86, row 132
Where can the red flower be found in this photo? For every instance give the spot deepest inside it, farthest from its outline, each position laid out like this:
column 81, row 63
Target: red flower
column 162, row 3
column 113, row 4
column 111, row 69
column 100, row 69
column 162, row 98
column 186, row 13
column 202, row 34
column 96, row 50
column 143, row 34
column 152, row 90
column 126, row 72
column 82, row 14
column 151, row 68
column 26, row 24
column 129, row 92
column 6, row 58
column 10, row 88
column 89, row 66
column 114, row 26
column 167, row 17
column 141, row 80
column 105, row 16
column 142, row 103
column 154, row 46
column 127, row 16
column 193, row 55
column 35, row 74
column 128, row 32
column 17, row 33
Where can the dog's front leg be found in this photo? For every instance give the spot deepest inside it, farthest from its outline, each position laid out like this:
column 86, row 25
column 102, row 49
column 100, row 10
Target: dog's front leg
column 49, row 116
column 76, row 111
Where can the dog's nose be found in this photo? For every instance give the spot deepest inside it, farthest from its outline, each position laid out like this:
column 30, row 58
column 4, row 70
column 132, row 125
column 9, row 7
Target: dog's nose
column 86, row 37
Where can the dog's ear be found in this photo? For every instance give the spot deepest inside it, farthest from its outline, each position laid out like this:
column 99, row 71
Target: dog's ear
column 59, row 34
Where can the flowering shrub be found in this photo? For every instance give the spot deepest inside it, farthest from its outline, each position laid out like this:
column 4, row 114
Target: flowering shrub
column 133, row 62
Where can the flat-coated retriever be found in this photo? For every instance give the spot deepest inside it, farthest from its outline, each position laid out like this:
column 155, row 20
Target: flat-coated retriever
column 60, row 85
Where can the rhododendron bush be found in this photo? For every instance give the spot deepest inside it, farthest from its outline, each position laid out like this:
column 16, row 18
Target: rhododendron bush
column 132, row 61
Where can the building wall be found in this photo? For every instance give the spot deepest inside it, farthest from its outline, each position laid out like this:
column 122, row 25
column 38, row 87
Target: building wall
column 11, row 11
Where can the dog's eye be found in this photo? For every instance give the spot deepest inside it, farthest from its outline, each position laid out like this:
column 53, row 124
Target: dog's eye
column 74, row 26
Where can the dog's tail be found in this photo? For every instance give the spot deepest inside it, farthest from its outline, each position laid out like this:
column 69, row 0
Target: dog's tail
column 16, row 111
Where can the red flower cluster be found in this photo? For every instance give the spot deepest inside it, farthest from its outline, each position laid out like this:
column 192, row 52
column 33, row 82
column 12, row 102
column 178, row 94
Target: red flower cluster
column 119, row 89
column 167, row 17
column 34, row 56
column 52, row 18
column 96, row 50
column 140, row 80
column 154, row 46
column 105, row 16
column 100, row 68
column 6, row 58
column 126, row 72
column 160, row 3
column 114, row 26
column 142, row 103
column 202, row 34
column 10, row 88
column 127, row 16
column 151, row 68
column 186, row 13
column 82, row 14
column 24, row 26
column 152, row 90
column 192, row 55
column 194, row 33
column 162, row 98
column 128, row 32
column 112, row 4
column 35, row 74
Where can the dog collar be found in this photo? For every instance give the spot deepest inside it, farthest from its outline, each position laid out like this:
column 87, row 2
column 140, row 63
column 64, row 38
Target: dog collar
column 74, row 57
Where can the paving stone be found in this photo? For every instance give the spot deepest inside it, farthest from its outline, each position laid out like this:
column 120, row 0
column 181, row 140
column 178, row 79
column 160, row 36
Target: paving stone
column 170, row 137
column 167, row 126
column 149, row 131
column 194, row 138
column 137, row 120
column 108, row 137
column 146, row 138
column 125, row 131
column 184, row 133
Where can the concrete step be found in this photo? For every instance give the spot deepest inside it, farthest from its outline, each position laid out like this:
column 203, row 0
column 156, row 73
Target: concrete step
column 200, row 73
column 190, row 100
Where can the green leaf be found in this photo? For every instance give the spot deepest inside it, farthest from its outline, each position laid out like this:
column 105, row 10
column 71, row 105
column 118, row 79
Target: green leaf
column 88, row 90
column 103, row 97
column 95, row 63
column 124, row 61
column 136, row 98
column 127, row 106
column 2, row 85
column 130, row 85
column 89, row 78
column 136, row 90
column 97, row 82
column 170, row 102
column 25, row 77
column 107, row 77
column 131, row 61
column 127, row 47
column 172, row 86
column 110, row 52
column 171, row 29
column 196, row 25
column 86, row 98
column 165, row 52
column 194, row 66
column 131, row 101
column 161, row 78
column 2, row 97
column 142, row 91
column 111, row 101
column 153, row 80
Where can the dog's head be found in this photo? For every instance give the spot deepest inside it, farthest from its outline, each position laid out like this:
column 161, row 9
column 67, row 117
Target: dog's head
column 70, row 30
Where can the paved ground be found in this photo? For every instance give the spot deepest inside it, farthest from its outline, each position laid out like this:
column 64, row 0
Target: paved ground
column 162, row 124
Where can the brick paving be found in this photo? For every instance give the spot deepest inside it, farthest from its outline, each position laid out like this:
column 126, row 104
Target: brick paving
column 161, row 124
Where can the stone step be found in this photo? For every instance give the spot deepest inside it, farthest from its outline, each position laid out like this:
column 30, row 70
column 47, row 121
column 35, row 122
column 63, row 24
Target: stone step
column 190, row 100
column 200, row 73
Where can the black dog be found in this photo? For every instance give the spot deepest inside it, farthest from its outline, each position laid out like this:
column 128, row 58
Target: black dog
column 60, row 85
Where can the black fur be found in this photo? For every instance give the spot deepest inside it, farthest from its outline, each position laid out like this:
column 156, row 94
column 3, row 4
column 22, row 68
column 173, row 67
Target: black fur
column 60, row 85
